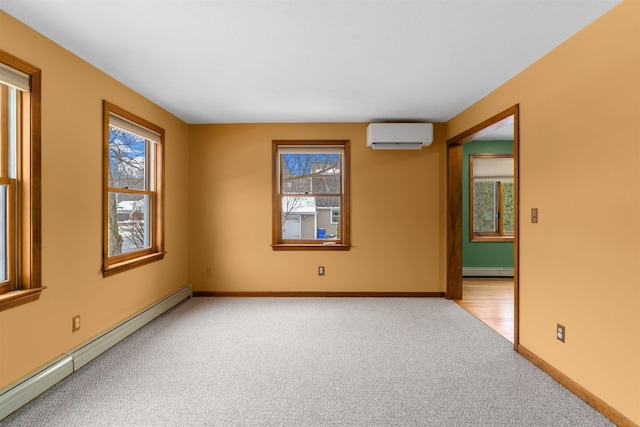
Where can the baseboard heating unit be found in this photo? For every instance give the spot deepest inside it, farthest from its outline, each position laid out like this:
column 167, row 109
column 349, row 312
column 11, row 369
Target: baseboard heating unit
column 487, row 272
column 28, row 388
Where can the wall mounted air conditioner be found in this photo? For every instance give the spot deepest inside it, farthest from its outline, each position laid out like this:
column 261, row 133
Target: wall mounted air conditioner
column 399, row 136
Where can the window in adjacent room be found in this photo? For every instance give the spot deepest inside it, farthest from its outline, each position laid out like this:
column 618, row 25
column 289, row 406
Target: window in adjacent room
column 133, row 198
column 491, row 197
column 20, row 234
column 310, row 195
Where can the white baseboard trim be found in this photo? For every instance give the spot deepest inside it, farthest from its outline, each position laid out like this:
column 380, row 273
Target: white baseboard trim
column 487, row 272
column 28, row 388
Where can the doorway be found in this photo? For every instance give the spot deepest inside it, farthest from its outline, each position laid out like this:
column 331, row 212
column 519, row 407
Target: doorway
column 454, row 286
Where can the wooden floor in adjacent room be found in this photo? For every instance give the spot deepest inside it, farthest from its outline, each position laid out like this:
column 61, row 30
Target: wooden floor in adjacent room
column 490, row 300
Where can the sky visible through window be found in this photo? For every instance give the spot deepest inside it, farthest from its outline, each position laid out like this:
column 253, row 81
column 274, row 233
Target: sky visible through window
column 127, row 171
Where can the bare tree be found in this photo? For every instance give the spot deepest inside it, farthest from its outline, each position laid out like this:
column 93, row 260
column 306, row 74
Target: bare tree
column 127, row 156
column 306, row 178
column 136, row 233
column 115, row 238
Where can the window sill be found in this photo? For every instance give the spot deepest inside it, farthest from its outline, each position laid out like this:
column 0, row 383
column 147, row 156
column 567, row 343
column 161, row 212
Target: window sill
column 15, row 298
column 309, row 247
column 131, row 263
column 504, row 239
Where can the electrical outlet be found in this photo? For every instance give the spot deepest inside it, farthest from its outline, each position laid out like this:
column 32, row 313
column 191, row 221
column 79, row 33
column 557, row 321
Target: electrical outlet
column 560, row 333
column 75, row 324
column 321, row 271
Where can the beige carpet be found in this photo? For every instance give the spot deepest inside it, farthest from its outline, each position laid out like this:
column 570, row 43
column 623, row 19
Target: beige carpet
column 310, row 362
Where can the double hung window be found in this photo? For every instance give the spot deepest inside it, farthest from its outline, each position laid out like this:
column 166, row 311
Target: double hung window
column 491, row 197
column 133, row 199
column 20, row 235
column 310, row 195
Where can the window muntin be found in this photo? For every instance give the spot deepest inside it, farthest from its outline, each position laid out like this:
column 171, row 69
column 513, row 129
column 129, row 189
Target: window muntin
column 20, row 235
column 133, row 230
column 310, row 190
column 491, row 201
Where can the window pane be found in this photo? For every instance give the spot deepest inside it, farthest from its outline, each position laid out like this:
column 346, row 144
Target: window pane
column 310, row 218
column 4, row 221
column 311, row 173
column 507, row 209
column 484, row 207
column 129, row 222
column 127, row 160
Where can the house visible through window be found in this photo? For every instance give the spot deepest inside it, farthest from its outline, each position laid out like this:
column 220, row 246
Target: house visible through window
column 491, row 197
column 20, row 268
column 310, row 190
column 133, row 231
column 335, row 215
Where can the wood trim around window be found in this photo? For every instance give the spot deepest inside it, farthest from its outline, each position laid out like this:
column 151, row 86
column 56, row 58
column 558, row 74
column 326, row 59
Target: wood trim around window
column 499, row 235
column 28, row 283
column 313, row 245
column 119, row 263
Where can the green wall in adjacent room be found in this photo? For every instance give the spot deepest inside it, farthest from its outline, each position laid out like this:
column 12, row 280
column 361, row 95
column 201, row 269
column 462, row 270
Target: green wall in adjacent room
column 482, row 254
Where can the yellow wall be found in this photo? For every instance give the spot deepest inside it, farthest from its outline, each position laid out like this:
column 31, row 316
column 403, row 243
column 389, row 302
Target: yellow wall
column 397, row 215
column 72, row 93
column 579, row 165
column 580, row 162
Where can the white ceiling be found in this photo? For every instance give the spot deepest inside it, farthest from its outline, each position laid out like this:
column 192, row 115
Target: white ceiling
column 310, row 61
column 504, row 133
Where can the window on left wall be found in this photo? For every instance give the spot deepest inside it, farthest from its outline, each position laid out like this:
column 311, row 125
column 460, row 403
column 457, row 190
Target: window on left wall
column 133, row 197
column 20, row 234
